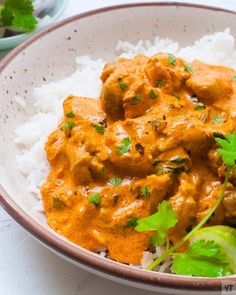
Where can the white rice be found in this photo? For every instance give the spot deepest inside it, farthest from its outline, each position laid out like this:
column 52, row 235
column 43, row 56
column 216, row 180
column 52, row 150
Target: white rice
column 31, row 136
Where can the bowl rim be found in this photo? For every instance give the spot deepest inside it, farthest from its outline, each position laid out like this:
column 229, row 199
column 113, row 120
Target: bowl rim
column 76, row 253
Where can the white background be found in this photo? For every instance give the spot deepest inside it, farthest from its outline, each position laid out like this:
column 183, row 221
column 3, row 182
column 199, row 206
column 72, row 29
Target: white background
column 26, row 267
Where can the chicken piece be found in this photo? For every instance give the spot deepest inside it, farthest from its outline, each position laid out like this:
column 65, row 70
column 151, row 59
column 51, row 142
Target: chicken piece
column 183, row 131
column 210, row 83
column 128, row 144
column 84, row 108
column 184, row 204
column 126, row 90
column 129, row 200
column 84, row 152
column 161, row 73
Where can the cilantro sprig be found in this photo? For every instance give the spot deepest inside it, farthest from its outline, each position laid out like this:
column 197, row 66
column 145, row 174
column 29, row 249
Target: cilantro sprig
column 164, row 219
column 202, row 258
column 19, row 14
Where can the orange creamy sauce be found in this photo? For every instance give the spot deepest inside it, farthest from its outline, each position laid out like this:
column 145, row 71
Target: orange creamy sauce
column 171, row 154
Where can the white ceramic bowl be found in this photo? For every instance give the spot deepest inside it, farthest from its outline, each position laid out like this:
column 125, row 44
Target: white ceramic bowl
column 50, row 55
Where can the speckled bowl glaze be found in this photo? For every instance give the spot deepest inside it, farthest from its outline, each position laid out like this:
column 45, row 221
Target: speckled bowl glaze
column 49, row 56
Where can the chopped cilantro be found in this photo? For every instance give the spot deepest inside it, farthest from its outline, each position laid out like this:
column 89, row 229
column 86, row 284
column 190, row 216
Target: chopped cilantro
column 234, row 77
column 218, row 119
column 137, row 98
column 172, row 59
column 123, row 85
column 188, row 68
column 160, row 83
column 145, row 191
column 152, row 94
column 177, row 160
column 70, row 115
column 115, row 181
column 125, row 146
column 68, row 126
column 199, row 108
column 95, row 199
column 98, row 128
column 176, row 96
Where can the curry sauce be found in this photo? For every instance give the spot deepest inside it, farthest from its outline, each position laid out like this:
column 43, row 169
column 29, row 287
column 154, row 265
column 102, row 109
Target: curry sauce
column 149, row 138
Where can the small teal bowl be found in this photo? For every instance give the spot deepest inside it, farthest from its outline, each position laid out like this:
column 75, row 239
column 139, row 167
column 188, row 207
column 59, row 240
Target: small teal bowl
column 11, row 42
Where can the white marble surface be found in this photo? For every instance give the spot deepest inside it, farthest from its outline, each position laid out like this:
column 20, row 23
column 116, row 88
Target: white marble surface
column 26, row 267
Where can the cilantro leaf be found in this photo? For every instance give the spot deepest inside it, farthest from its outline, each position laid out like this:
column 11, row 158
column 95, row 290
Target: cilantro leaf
column 188, row 68
column 124, row 147
column 172, row 59
column 68, row 126
column 98, row 128
column 115, row 181
column 218, row 119
column 132, row 222
column 152, row 94
column 234, row 77
column 228, row 149
column 157, row 239
column 202, row 258
column 95, row 199
column 177, row 160
column 145, row 191
column 123, row 85
column 70, row 115
column 199, row 108
column 137, row 98
column 18, row 13
column 176, row 96
column 164, row 219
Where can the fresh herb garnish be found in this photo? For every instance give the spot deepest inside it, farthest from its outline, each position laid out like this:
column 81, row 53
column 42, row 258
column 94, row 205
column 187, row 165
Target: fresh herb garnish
column 164, row 219
column 137, row 98
column 95, row 199
column 202, row 258
column 145, row 191
column 199, row 108
column 156, row 161
column 68, row 126
column 115, row 181
column 123, row 85
column 227, row 151
column 218, row 119
column 125, row 146
column 19, row 14
column 132, row 222
column 234, row 77
column 160, row 83
column 70, row 115
column 98, row 128
column 177, row 160
column 172, row 59
column 188, row 68
column 152, row 94
column 176, row 96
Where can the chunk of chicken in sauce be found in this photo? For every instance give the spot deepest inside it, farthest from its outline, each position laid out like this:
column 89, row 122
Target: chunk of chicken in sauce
column 149, row 138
